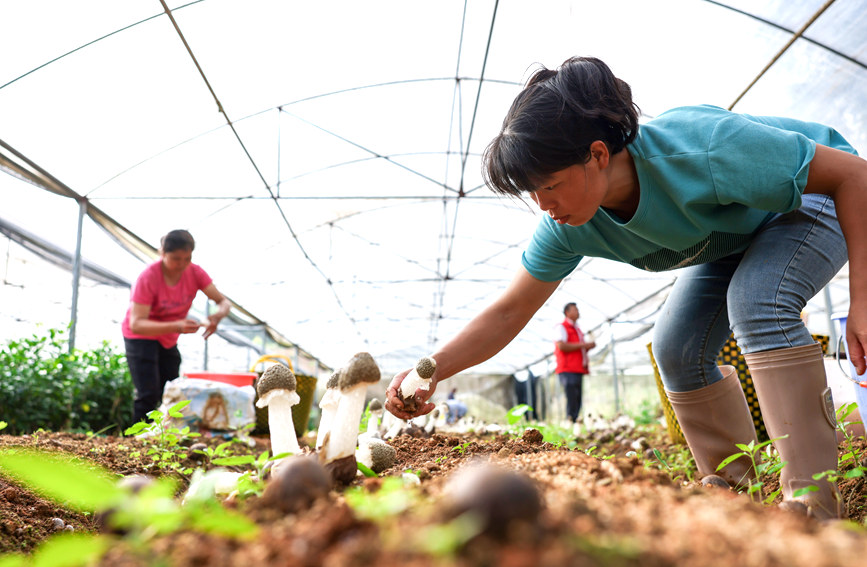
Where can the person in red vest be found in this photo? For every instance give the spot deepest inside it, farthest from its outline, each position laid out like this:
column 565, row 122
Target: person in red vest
column 571, row 348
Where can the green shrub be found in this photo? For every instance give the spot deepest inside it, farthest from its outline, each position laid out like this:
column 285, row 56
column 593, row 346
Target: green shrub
column 42, row 385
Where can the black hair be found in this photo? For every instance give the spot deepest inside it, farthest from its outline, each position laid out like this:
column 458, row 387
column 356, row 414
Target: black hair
column 553, row 121
column 177, row 240
column 568, row 305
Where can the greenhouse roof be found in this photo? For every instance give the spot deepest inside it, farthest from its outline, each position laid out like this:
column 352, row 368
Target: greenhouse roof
column 326, row 155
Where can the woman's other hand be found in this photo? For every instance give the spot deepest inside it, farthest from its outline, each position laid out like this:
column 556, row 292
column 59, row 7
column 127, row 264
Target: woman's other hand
column 211, row 325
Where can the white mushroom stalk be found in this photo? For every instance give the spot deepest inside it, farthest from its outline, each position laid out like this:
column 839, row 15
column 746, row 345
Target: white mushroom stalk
column 419, row 377
column 360, row 372
column 276, row 389
column 328, row 404
column 375, row 410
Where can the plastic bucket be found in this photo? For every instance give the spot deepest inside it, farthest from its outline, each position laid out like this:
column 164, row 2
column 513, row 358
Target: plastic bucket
column 234, row 378
column 860, row 391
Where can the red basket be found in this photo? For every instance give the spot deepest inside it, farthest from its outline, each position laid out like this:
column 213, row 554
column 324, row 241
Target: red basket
column 235, row 378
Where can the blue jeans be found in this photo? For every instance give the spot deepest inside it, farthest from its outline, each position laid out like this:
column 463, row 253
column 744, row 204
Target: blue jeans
column 758, row 295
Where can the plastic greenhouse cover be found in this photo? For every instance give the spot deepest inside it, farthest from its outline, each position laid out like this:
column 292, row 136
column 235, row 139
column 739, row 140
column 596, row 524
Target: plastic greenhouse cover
column 326, row 155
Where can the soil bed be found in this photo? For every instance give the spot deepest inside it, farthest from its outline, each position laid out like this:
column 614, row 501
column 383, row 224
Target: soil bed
column 619, row 510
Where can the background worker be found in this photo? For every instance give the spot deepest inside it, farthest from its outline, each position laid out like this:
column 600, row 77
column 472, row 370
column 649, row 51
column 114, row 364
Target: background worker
column 160, row 300
column 570, row 349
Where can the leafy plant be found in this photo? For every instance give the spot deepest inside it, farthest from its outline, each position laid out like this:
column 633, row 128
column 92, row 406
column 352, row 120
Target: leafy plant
column 141, row 514
column 762, row 469
column 392, row 498
column 515, row 416
column 166, row 450
column 42, row 384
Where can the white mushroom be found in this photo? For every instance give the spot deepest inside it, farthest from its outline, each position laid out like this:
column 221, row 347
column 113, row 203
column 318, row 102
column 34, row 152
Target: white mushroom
column 276, row 389
column 328, row 405
column 419, row 378
column 339, row 447
column 375, row 409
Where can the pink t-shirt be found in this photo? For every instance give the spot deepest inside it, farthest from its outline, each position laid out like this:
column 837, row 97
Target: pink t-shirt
column 168, row 303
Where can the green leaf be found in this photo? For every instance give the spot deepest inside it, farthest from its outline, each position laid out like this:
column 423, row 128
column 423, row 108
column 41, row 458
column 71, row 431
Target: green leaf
column 366, row 471
column 70, row 550
column 854, row 473
column 176, row 409
column 61, row 478
column 235, row 461
column 804, row 491
column 3, row 425
column 754, row 487
column 729, row 459
column 15, row 560
column 136, row 428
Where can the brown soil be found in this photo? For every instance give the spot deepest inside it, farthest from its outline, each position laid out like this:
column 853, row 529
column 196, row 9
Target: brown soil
column 618, row 511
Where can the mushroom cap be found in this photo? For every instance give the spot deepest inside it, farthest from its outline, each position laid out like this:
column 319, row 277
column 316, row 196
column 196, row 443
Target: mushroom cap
column 382, row 455
column 426, row 366
column 334, row 380
column 296, row 484
column 276, row 377
column 360, row 369
column 498, row 496
column 375, row 405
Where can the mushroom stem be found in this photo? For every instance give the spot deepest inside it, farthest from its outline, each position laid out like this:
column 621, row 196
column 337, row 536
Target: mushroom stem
column 344, row 432
column 283, row 438
column 329, row 403
column 413, row 382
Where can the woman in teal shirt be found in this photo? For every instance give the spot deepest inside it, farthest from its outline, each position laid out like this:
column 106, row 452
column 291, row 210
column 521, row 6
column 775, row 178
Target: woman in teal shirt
column 757, row 211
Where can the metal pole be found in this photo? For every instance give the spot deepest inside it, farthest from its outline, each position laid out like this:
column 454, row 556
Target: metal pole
column 614, row 369
column 76, row 275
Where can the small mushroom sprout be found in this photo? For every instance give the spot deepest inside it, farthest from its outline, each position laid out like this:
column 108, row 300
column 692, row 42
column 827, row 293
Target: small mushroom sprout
column 375, row 410
column 328, row 405
column 339, row 446
column 375, row 454
column 418, row 378
column 276, row 389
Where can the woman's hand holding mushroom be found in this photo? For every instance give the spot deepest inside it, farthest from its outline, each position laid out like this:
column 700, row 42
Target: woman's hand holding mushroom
column 395, row 404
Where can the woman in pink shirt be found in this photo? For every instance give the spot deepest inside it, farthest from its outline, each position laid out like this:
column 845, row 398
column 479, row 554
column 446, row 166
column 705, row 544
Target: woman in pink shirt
column 157, row 316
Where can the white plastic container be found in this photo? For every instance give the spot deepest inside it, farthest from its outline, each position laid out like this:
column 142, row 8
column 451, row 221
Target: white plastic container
column 860, row 391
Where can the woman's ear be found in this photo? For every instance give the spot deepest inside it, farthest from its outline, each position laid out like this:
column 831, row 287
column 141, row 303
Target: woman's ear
column 599, row 152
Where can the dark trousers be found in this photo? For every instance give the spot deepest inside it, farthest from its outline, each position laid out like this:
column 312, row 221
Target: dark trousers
column 572, row 384
column 151, row 366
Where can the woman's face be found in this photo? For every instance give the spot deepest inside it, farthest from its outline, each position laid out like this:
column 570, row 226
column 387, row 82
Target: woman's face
column 176, row 261
column 572, row 195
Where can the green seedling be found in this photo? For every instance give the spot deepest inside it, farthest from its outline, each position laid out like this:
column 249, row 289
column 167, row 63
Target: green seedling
column 515, row 416
column 250, row 483
column 165, row 450
column 3, row 425
column 762, row 469
column 393, row 497
column 140, row 515
column 446, row 540
column 461, row 449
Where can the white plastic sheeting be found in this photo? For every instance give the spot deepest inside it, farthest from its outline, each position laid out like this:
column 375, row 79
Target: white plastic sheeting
column 326, row 155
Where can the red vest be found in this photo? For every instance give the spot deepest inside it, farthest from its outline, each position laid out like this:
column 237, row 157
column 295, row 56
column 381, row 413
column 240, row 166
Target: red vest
column 571, row 361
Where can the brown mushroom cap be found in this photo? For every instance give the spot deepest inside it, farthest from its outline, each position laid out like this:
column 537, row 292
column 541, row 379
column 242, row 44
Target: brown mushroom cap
column 382, row 455
column 296, row 485
column 276, row 377
column 374, row 405
column 499, row 497
column 334, row 380
column 360, row 369
column 426, row 366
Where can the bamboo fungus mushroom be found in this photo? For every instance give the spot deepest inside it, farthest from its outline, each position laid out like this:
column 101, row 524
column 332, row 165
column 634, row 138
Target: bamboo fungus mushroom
column 328, row 405
column 276, row 389
column 339, row 446
column 418, row 378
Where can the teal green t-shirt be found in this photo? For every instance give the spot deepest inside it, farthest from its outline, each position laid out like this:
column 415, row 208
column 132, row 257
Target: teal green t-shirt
column 709, row 179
